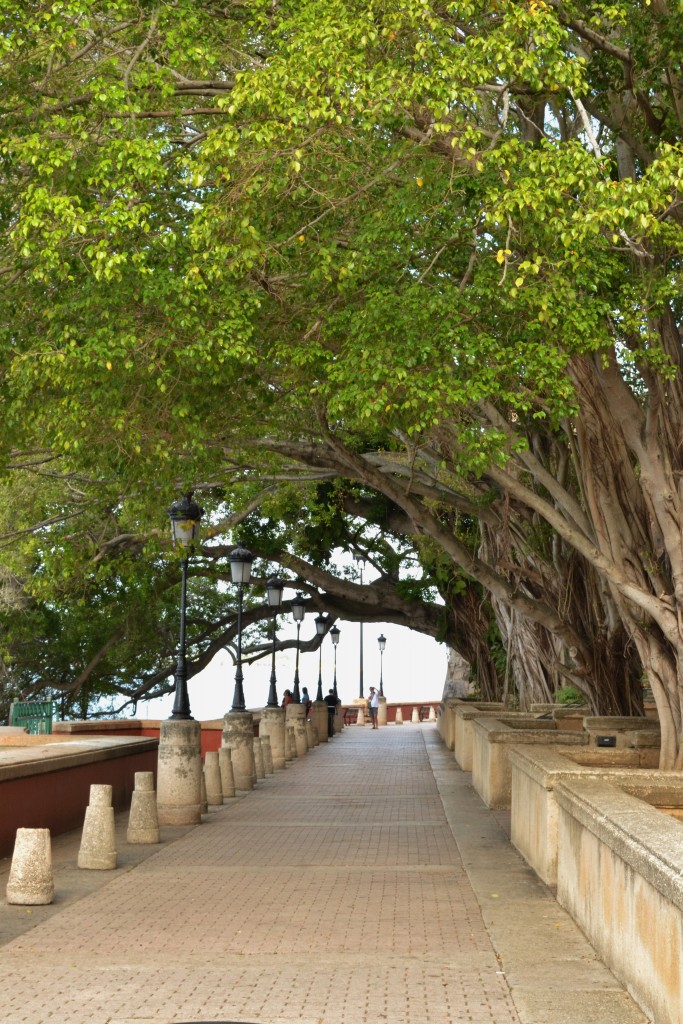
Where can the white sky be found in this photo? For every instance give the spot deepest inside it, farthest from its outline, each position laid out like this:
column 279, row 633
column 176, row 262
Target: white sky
column 414, row 669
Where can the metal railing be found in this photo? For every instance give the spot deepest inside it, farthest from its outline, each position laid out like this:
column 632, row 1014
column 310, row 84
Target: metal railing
column 35, row 716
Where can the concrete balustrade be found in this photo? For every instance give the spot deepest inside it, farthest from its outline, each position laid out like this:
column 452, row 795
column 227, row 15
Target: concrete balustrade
column 179, row 773
column 98, row 842
column 143, row 820
column 238, row 734
column 212, row 778
column 31, row 879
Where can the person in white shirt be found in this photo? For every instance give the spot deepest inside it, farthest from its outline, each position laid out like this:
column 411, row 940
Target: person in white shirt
column 374, row 706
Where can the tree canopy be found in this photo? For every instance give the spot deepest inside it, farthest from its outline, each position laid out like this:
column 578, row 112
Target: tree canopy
column 430, row 251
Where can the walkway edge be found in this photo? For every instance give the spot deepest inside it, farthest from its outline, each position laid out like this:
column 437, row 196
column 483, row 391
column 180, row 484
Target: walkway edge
column 553, row 973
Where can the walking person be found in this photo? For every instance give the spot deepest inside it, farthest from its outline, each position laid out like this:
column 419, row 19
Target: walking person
column 374, row 706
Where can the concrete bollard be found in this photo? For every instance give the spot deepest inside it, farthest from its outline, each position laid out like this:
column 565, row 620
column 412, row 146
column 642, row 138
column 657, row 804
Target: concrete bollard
column 227, row 774
column 296, row 717
column 360, row 720
column 319, row 717
column 398, row 720
column 31, row 881
column 291, row 752
column 311, row 735
column 238, row 734
column 415, row 716
column 382, row 711
column 204, row 801
column 143, row 820
column 338, row 723
column 258, row 758
column 179, row 774
column 212, row 779
column 98, row 841
column 267, row 755
column 272, row 724
column 432, row 714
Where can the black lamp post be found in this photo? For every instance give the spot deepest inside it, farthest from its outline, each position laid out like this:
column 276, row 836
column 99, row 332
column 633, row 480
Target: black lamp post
column 274, row 588
column 240, row 568
column 320, row 626
column 382, row 642
column 361, row 563
column 185, row 515
column 298, row 611
column 334, row 633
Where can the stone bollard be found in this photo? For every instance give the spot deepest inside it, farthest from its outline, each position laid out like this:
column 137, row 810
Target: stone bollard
column 179, row 775
column 360, row 720
column 258, row 758
column 382, row 711
column 98, row 841
column 432, row 714
column 272, row 724
column 143, row 820
column 204, row 798
column 31, row 881
column 227, row 775
column 212, row 778
column 238, row 734
column 267, row 755
column 415, row 716
column 296, row 717
column 311, row 735
column 291, row 752
column 338, row 723
column 319, row 717
column 398, row 720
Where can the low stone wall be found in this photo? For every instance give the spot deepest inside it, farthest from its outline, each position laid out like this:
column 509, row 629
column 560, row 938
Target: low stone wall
column 465, row 712
column 492, row 740
column 536, row 771
column 47, row 784
column 620, row 876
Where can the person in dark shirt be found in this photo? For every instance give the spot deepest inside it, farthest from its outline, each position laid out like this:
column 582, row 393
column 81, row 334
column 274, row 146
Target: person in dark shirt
column 331, row 700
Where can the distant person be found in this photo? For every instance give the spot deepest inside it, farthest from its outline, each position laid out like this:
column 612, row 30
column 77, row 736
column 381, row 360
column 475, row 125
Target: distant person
column 374, row 706
column 306, row 700
column 286, row 698
column 331, row 700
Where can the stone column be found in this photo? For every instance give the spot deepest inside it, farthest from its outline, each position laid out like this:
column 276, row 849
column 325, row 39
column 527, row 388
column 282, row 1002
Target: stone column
column 272, row 724
column 31, row 881
column 415, row 716
column 382, row 711
column 319, row 719
column 238, row 734
column 399, row 715
column 296, row 716
column 179, row 776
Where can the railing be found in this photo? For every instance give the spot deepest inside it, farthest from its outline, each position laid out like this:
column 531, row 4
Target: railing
column 35, row 716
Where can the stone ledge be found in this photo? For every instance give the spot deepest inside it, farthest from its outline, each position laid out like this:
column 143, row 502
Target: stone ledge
column 24, row 761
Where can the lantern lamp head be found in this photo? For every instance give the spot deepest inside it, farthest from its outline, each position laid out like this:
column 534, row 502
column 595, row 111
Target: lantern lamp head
column 240, row 564
column 185, row 515
column 298, row 608
column 274, row 588
column 382, row 641
column 334, row 633
column 320, row 624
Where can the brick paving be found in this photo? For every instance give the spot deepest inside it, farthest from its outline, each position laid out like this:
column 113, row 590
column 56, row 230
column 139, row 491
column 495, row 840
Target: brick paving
column 334, row 893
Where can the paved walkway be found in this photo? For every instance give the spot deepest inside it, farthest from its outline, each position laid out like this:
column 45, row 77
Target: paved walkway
column 366, row 883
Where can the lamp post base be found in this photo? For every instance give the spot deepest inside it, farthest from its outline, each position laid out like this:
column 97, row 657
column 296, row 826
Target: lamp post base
column 272, row 724
column 296, row 716
column 179, row 776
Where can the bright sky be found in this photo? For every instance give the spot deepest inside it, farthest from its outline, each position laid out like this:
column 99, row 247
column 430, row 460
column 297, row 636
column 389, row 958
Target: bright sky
column 414, row 669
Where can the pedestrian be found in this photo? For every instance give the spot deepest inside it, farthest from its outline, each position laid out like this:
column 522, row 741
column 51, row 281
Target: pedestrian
column 286, row 698
column 374, row 706
column 331, row 700
column 306, row 700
